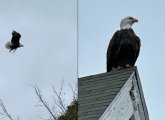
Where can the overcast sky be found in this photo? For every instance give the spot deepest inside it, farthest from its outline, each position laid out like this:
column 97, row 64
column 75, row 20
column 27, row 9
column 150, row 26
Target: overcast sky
column 49, row 35
column 99, row 19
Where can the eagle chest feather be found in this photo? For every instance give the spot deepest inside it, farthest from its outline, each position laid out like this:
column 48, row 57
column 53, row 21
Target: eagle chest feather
column 128, row 38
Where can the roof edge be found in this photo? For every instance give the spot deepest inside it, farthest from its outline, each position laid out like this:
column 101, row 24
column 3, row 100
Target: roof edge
column 108, row 73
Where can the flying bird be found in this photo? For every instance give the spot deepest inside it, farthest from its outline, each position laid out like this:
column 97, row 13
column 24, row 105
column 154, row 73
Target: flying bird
column 124, row 47
column 14, row 44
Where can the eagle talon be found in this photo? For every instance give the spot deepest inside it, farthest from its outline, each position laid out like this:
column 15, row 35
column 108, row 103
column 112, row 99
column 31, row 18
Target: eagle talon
column 128, row 66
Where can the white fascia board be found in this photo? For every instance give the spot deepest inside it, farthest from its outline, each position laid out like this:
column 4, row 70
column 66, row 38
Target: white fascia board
column 121, row 108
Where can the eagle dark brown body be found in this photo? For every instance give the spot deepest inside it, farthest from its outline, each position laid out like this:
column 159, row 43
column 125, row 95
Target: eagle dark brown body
column 14, row 44
column 123, row 49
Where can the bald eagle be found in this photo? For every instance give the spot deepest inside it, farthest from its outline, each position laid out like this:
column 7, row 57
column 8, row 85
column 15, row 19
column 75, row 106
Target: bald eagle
column 14, row 44
column 124, row 46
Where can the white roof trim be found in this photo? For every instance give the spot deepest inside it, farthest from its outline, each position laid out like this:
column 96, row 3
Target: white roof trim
column 121, row 101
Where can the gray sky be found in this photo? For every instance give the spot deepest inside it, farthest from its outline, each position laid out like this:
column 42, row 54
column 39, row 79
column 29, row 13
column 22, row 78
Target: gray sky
column 99, row 19
column 49, row 35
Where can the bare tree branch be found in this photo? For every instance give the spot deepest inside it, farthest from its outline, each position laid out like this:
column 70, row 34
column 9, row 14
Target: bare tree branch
column 39, row 95
column 61, row 88
column 74, row 92
column 58, row 111
column 59, row 102
column 5, row 112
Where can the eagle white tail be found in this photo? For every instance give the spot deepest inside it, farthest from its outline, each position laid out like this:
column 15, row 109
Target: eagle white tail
column 8, row 45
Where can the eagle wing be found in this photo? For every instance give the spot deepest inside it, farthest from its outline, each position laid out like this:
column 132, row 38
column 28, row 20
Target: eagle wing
column 137, row 50
column 112, row 49
column 15, row 37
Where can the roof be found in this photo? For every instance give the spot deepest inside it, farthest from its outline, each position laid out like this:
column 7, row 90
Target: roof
column 96, row 92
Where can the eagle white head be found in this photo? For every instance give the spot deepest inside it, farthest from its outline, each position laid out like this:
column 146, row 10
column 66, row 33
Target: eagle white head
column 127, row 22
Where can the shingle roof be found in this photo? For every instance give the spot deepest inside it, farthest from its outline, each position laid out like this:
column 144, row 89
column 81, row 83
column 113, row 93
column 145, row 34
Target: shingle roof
column 96, row 92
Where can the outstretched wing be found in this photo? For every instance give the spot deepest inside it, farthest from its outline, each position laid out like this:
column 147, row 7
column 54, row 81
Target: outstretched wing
column 15, row 37
column 112, row 49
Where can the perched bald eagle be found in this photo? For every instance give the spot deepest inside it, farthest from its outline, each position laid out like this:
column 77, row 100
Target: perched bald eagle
column 14, row 44
column 124, row 46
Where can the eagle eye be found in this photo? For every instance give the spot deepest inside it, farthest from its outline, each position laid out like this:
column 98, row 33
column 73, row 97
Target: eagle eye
column 131, row 18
